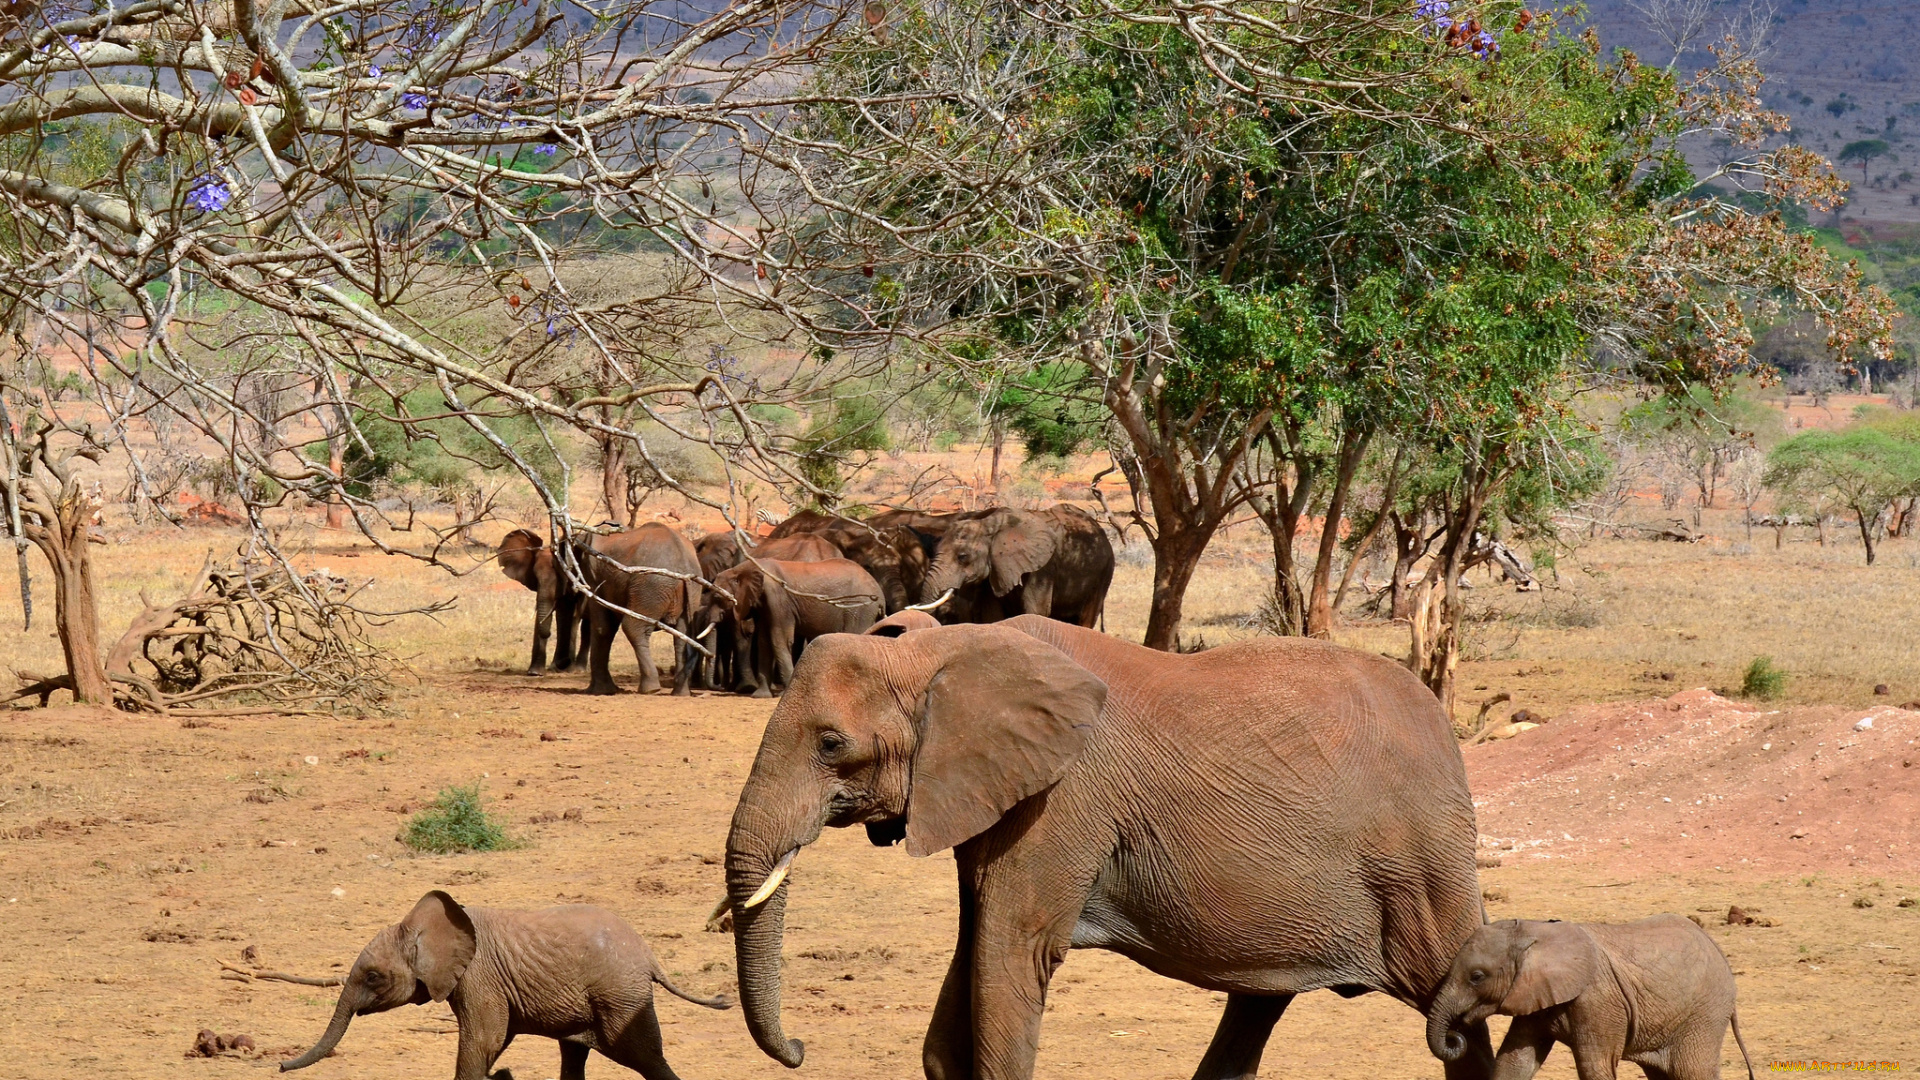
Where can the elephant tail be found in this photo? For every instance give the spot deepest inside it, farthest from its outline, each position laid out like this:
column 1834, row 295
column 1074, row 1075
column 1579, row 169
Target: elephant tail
column 720, row 1002
column 1734, row 1019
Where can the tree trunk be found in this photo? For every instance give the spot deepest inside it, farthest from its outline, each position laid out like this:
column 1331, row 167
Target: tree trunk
column 1353, row 447
column 1441, row 606
column 1289, row 603
column 1408, row 546
column 76, row 614
column 1866, row 531
column 336, row 460
column 1175, row 557
column 613, row 480
column 999, row 444
column 76, row 611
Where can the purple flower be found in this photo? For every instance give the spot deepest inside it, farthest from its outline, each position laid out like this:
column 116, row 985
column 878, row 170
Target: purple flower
column 415, row 101
column 374, row 70
column 1442, row 24
column 1484, row 47
column 210, row 194
column 1432, row 9
column 546, row 148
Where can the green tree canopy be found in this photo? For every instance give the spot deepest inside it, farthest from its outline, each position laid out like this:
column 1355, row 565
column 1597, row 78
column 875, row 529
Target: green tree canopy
column 1861, row 468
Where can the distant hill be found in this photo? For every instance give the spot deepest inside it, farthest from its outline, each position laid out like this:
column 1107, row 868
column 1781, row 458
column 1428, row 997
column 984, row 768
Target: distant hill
column 1845, row 70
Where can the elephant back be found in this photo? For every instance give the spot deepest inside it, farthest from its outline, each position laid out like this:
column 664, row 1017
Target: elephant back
column 649, row 569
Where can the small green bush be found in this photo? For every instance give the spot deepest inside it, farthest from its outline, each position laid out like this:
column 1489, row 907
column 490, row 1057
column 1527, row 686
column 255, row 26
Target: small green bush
column 1763, row 680
column 456, row 822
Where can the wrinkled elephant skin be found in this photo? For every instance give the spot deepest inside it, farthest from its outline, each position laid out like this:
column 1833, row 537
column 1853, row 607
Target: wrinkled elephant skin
column 1264, row 819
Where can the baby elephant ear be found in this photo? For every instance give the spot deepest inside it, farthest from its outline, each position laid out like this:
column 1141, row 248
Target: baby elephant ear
column 1553, row 963
column 1001, row 720
column 438, row 939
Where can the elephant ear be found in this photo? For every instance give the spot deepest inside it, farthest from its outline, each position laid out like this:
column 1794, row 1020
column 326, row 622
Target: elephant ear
column 746, row 589
column 1553, row 963
column 519, row 553
column 438, row 941
column 1001, row 721
column 1022, row 546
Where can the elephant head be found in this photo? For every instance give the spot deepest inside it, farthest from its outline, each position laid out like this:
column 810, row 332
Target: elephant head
column 418, row 959
column 520, row 556
column 999, row 547
column 1513, row 968
column 930, row 737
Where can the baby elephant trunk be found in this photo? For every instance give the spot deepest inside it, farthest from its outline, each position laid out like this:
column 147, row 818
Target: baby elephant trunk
column 1444, row 1036
column 342, row 1016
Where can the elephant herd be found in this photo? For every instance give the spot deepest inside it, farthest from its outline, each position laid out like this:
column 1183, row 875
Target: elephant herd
column 1264, row 819
column 742, row 611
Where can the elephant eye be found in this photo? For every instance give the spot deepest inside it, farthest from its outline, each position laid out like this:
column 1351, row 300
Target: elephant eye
column 376, row 976
column 832, row 742
column 1476, row 975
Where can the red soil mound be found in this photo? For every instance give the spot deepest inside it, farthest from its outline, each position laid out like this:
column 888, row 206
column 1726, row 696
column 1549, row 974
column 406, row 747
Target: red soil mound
column 1699, row 781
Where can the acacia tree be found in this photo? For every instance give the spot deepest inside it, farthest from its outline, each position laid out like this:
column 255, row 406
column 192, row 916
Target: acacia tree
column 1434, row 220
column 1862, row 470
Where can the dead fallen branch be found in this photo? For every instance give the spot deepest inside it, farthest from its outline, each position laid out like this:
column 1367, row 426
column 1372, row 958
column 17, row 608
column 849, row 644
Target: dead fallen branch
column 240, row 974
column 247, row 640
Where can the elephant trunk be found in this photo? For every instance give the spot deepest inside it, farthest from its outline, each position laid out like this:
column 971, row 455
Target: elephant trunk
column 342, row 1016
column 1444, row 1036
column 758, row 932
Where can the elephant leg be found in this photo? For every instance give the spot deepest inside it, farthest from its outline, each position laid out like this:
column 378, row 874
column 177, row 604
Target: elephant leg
column 1696, row 1057
column 542, row 630
column 600, row 654
column 573, row 1060
column 566, row 613
column 640, row 636
column 1037, row 595
column 683, row 670
column 638, row 1046
column 947, row 1053
column 1018, row 943
column 1524, row 1050
column 1242, row 1035
column 782, row 635
column 483, row 1035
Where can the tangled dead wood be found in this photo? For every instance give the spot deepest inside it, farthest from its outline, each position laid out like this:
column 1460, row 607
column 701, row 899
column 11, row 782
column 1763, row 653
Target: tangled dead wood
column 251, row 639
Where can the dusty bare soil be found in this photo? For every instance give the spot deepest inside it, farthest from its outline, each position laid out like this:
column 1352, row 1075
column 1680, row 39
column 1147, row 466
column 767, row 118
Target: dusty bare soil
column 135, row 854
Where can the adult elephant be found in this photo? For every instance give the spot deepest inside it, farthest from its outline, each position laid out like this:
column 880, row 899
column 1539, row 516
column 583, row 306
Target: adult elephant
column 653, row 572
column 1005, row 562
column 780, row 605
column 731, row 662
column 1263, row 819
column 892, row 554
column 525, row 557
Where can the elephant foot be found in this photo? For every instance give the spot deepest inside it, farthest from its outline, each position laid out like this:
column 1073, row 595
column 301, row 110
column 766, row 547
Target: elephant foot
column 602, row 689
column 534, row 672
column 761, row 692
column 649, row 689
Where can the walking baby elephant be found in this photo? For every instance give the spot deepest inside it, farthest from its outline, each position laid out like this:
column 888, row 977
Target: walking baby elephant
column 1656, row 992
column 575, row 973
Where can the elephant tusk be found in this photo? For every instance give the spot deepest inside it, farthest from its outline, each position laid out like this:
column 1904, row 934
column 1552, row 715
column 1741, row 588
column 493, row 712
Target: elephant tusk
column 773, row 880
column 702, row 635
column 931, row 604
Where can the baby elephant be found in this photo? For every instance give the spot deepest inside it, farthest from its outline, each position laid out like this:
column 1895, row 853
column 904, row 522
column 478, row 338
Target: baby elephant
column 1656, row 992
column 575, row 973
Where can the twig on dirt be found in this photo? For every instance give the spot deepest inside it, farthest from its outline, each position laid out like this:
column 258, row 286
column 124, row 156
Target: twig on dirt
column 240, row 974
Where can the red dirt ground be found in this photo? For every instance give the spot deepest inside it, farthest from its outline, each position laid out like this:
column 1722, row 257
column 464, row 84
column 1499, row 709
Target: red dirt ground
column 1698, row 780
